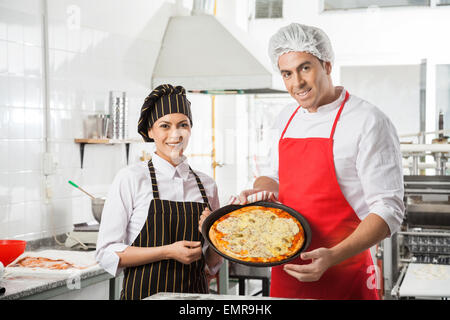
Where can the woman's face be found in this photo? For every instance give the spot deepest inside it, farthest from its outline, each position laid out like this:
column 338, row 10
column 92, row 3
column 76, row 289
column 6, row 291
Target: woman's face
column 171, row 134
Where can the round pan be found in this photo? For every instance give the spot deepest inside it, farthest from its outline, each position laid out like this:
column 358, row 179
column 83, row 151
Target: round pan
column 209, row 221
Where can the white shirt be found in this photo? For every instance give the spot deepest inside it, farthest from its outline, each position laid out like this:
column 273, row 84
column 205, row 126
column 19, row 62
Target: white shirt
column 366, row 152
column 126, row 207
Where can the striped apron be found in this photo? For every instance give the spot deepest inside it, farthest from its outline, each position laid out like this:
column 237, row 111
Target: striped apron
column 167, row 222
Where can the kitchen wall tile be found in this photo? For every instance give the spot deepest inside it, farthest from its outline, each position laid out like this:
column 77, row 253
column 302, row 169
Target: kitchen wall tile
column 85, row 64
column 33, row 92
column 4, row 156
column 34, row 151
column 3, row 24
column 74, row 40
column 3, row 57
column 57, row 34
column 32, row 30
column 4, row 189
column 57, row 63
column 60, row 217
column 4, row 90
column 15, row 58
column 16, row 123
column 33, row 220
column 64, row 155
column 16, row 87
column 16, row 155
column 86, row 39
column 34, row 182
column 4, row 122
column 4, row 219
column 61, row 124
column 16, row 187
column 32, row 61
column 16, row 220
column 21, row 6
column 82, row 209
column 15, row 27
column 34, row 123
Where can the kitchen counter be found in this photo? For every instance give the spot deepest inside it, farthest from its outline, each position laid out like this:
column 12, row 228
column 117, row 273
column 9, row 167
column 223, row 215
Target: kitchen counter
column 198, row 296
column 46, row 286
column 51, row 285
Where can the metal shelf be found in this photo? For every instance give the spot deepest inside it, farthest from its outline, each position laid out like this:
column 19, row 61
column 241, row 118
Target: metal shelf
column 83, row 142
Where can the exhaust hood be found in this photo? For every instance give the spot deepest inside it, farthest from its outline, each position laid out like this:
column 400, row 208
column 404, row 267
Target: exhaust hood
column 203, row 55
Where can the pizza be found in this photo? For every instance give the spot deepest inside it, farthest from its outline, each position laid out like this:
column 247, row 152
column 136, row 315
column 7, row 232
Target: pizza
column 257, row 234
column 45, row 263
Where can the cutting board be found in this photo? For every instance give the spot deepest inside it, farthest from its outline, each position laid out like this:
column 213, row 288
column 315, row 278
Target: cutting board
column 426, row 280
column 83, row 261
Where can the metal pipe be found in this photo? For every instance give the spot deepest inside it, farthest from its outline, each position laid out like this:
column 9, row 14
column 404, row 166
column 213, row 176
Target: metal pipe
column 436, row 147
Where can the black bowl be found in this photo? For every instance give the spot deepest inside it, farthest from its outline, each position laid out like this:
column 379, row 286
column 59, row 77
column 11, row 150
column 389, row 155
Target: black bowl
column 209, row 221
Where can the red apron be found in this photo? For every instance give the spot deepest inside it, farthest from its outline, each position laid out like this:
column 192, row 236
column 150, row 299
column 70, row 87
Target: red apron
column 309, row 185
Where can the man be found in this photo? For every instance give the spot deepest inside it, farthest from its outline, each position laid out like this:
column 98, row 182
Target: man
column 337, row 161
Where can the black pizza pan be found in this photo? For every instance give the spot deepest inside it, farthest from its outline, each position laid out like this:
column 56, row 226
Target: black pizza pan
column 209, row 221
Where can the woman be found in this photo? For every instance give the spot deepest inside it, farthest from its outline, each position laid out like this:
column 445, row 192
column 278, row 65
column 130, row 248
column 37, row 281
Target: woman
column 150, row 221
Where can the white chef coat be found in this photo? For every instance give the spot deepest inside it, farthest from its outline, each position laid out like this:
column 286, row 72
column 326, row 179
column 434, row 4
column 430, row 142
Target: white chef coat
column 366, row 153
column 126, row 207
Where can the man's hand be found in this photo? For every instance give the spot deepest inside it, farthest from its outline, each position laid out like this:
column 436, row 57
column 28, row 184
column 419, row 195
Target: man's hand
column 322, row 259
column 253, row 195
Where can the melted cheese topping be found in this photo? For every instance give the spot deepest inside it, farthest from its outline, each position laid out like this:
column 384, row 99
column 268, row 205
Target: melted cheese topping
column 258, row 233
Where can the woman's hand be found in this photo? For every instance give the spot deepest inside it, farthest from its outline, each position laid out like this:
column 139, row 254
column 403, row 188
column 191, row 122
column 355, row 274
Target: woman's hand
column 185, row 251
column 204, row 215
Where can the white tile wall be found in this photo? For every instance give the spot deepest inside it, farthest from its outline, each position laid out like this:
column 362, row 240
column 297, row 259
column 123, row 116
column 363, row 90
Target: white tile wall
column 111, row 45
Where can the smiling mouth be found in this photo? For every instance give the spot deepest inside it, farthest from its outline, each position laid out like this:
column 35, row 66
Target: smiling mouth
column 174, row 144
column 303, row 93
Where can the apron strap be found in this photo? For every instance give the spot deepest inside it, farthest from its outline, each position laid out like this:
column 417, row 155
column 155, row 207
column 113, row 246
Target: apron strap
column 202, row 189
column 339, row 114
column 153, row 177
column 290, row 119
column 335, row 120
column 155, row 184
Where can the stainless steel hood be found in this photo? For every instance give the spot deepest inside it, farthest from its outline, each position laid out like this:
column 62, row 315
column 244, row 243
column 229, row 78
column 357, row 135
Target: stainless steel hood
column 205, row 55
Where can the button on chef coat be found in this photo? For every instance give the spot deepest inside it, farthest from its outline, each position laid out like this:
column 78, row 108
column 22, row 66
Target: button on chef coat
column 366, row 153
column 126, row 207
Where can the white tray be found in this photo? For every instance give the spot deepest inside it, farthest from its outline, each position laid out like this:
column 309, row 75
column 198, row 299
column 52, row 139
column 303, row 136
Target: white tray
column 83, row 261
column 426, row 280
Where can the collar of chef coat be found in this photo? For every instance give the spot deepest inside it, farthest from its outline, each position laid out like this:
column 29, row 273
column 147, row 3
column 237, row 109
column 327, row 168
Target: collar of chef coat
column 167, row 169
column 326, row 108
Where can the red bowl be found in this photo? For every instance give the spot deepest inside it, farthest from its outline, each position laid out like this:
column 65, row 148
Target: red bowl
column 10, row 250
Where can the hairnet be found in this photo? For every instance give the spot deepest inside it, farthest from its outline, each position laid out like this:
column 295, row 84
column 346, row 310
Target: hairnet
column 299, row 37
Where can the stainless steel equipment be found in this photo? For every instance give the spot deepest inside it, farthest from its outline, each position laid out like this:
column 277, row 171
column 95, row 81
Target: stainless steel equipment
column 419, row 263
column 97, row 208
column 118, row 108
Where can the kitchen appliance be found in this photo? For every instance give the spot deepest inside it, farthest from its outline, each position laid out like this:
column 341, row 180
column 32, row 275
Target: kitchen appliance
column 97, row 203
column 222, row 58
column 420, row 260
column 84, row 235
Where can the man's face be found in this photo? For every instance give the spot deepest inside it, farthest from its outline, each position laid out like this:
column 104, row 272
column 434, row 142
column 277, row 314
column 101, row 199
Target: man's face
column 306, row 78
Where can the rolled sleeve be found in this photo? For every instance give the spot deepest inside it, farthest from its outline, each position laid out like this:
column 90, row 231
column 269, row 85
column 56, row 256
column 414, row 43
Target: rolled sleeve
column 113, row 227
column 379, row 165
